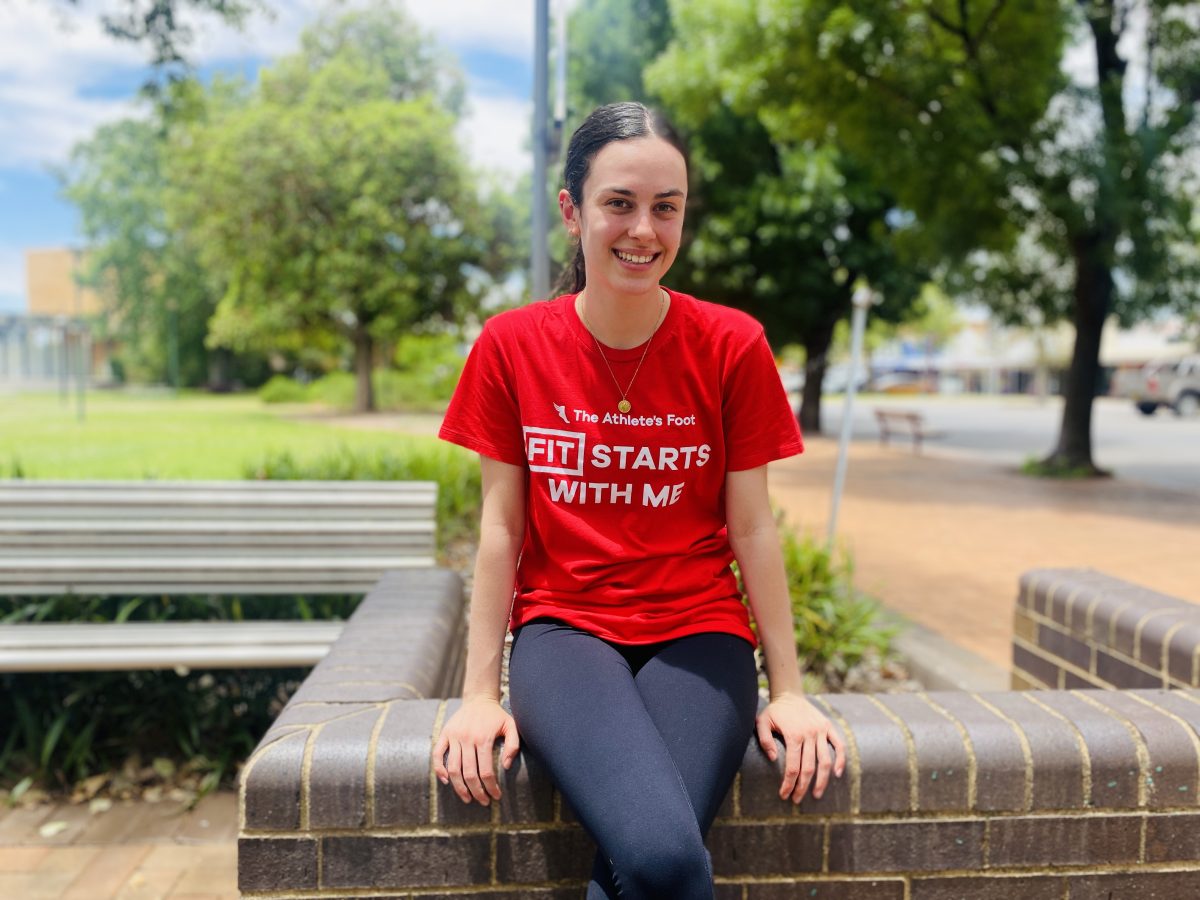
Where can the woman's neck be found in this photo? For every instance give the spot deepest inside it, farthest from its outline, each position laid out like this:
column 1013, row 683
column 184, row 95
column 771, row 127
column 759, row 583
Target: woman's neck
column 622, row 321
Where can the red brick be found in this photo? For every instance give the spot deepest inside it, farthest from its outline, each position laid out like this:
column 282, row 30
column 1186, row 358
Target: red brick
column 338, row 774
column 1040, row 667
column 1136, row 886
column 1111, row 750
column 277, row 864
column 906, row 846
column 1122, row 674
column 828, row 889
column 989, row 887
column 942, row 761
column 1063, row 840
column 1054, row 747
column 1000, row 775
column 882, row 753
column 1173, row 838
column 537, row 855
column 388, row 863
column 1174, row 767
column 755, row 849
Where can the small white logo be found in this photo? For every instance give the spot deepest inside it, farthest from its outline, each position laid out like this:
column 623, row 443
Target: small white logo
column 562, row 412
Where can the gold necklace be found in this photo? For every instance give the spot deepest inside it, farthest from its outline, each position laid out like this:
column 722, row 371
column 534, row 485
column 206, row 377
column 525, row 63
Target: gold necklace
column 624, row 405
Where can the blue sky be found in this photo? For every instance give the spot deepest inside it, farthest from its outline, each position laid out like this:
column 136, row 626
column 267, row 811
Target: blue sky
column 61, row 77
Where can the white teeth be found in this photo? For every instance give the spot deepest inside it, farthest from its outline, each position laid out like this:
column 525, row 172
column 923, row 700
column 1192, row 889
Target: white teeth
column 629, row 257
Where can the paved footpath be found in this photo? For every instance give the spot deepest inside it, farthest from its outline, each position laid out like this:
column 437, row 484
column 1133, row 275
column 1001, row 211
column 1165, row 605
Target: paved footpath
column 940, row 540
column 134, row 851
column 943, row 540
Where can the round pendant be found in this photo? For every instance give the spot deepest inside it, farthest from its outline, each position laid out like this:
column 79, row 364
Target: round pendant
column 624, row 406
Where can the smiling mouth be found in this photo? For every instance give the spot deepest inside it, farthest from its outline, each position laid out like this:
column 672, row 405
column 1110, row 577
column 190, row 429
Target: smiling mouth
column 635, row 258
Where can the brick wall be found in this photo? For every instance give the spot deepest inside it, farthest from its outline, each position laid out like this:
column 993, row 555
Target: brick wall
column 1078, row 628
column 1013, row 795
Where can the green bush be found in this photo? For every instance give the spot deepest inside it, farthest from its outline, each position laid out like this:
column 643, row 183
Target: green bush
column 281, row 389
column 837, row 627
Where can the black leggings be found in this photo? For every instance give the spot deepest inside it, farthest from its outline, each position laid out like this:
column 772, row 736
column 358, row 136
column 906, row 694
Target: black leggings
column 643, row 741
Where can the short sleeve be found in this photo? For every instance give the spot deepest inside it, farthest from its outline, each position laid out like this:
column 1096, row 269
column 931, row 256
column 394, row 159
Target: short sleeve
column 760, row 426
column 483, row 413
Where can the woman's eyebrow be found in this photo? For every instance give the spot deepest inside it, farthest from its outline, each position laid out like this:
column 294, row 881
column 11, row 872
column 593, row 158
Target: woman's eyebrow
column 625, row 192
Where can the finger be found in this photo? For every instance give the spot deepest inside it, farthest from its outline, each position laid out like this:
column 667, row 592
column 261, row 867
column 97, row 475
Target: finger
column 439, row 759
column 454, row 767
column 512, row 742
column 840, row 748
column 471, row 775
column 791, row 767
column 766, row 740
column 824, row 763
column 487, row 771
column 808, row 766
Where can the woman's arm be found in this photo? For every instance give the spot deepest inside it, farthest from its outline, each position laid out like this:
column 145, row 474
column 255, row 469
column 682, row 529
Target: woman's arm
column 463, row 752
column 806, row 732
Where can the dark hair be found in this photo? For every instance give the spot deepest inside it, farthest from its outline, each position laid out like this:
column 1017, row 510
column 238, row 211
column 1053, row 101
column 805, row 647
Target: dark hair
column 612, row 122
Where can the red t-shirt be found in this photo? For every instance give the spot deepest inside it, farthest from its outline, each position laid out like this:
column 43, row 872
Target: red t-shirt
column 625, row 512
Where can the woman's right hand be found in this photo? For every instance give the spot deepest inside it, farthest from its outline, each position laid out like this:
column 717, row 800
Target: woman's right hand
column 462, row 755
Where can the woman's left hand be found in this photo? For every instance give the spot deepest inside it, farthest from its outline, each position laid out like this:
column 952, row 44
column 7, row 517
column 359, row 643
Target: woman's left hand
column 807, row 735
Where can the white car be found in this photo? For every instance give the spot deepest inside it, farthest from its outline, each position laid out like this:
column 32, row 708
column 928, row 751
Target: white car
column 1175, row 384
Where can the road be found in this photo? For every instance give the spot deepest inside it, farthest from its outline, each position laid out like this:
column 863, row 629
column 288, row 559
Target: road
column 1161, row 450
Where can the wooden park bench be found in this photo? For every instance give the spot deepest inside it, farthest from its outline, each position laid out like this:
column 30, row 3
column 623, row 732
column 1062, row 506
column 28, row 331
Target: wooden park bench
column 902, row 422
column 199, row 537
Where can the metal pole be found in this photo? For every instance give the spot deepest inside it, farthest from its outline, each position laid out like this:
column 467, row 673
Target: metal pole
column 862, row 299
column 540, row 252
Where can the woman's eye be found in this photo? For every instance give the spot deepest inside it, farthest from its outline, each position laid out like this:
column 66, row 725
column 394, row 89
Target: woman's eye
column 619, row 203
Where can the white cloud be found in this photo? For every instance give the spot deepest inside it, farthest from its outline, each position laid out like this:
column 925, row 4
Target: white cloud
column 12, row 279
column 495, row 133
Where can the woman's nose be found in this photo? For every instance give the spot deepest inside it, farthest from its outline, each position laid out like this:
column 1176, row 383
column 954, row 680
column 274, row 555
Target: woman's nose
column 641, row 227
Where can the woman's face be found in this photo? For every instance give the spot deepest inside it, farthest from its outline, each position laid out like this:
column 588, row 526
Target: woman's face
column 630, row 218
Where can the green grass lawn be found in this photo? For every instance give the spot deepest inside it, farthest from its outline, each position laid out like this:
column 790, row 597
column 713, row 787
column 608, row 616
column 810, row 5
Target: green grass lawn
column 145, row 434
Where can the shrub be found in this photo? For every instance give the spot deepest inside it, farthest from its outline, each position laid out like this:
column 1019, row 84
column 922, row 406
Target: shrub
column 837, row 627
column 281, row 389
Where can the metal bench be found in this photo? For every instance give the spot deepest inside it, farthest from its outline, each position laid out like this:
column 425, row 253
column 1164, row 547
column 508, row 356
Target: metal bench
column 197, row 537
column 908, row 422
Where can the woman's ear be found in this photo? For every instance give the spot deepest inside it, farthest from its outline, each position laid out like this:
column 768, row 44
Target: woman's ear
column 570, row 212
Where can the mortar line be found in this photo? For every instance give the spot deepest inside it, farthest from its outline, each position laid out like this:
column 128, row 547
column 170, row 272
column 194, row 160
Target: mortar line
column 910, row 752
column 968, row 746
column 1023, row 740
column 1139, row 744
column 1084, row 753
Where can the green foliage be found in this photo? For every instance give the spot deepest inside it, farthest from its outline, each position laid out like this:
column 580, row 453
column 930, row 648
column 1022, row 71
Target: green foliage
column 333, row 202
column 455, row 470
column 69, row 726
column 1052, row 468
column 281, row 389
column 836, row 625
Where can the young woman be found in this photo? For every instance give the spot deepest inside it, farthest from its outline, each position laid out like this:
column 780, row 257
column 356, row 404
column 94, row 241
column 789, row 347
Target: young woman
column 624, row 431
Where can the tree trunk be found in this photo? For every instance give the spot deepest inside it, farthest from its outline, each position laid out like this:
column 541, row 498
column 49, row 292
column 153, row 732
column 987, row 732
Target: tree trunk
column 816, row 341
column 364, row 390
column 1093, row 299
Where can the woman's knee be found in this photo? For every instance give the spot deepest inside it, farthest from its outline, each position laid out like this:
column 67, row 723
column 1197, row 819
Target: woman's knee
column 664, row 865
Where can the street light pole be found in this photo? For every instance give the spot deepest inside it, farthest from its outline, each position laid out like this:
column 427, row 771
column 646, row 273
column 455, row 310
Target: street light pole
column 862, row 299
column 540, row 251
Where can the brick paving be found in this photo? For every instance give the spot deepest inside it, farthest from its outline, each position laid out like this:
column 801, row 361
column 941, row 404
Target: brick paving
column 134, row 851
column 940, row 540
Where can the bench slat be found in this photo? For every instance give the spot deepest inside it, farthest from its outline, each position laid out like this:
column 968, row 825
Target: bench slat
column 87, row 635
column 120, row 659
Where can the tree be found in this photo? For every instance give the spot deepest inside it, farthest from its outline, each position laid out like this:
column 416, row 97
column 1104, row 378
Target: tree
column 156, row 299
column 780, row 231
column 334, row 201
column 1018, row 174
